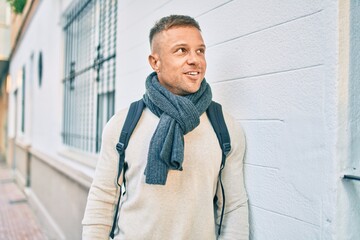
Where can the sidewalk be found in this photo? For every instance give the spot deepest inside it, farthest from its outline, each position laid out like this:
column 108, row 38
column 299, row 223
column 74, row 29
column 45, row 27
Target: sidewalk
column 17, row 220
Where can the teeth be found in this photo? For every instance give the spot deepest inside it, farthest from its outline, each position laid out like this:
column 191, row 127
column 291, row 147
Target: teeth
column 193, row 73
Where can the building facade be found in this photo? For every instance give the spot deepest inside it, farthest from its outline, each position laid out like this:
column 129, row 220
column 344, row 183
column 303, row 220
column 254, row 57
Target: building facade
column 5, row 14
column 286, row 70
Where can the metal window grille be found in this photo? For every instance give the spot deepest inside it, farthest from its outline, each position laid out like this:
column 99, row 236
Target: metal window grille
column 89, row 83
column 23, row 100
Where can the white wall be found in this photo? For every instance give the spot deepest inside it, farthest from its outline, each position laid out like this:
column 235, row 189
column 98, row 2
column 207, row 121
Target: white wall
column 273, row 66
column 43, row 114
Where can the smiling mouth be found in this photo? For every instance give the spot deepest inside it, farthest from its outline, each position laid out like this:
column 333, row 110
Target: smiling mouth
column 192, row 73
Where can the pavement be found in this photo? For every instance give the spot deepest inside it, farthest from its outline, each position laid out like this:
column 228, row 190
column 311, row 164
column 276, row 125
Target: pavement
column 17, row 219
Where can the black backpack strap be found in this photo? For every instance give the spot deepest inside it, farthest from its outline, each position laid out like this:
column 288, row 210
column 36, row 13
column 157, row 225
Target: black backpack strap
column 132, row 118
column 216, row 117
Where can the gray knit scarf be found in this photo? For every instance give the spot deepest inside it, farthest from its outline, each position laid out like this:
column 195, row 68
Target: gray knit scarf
column 178, row 116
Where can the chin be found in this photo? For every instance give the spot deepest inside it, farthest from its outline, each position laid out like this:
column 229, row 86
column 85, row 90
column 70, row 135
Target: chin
column 192, row 90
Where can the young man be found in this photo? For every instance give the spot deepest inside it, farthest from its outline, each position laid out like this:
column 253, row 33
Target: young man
column 173, row 157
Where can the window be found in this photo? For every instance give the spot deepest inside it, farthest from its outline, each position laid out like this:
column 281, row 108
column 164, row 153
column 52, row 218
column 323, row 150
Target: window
column 23, row 100
column 40, row 68
column 89, row 83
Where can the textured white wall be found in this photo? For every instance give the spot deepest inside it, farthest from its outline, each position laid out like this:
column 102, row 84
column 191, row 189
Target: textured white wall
column 273, row 66
column 43, row 114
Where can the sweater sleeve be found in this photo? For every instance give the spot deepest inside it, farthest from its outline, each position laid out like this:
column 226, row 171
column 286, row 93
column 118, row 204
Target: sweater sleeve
column 104, row 191
column 235, row 223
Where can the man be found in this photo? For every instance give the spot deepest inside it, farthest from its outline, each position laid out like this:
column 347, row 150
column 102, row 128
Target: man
column 173, row 156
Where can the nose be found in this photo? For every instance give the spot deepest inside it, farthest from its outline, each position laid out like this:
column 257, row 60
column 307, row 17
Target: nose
column 193, row 58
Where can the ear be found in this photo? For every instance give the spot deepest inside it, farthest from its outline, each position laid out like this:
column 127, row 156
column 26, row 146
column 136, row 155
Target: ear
column 154, row 62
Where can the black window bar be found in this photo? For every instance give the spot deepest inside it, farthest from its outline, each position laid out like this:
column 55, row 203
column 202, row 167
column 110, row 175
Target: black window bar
column 351, row 177
column 89, row 83
column 23, row 94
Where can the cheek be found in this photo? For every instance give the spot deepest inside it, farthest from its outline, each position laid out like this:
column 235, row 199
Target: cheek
column 171, row 65
column 203, row 63
column 204, row 68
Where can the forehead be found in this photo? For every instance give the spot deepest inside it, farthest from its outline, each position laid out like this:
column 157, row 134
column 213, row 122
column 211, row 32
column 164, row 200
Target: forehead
column 181, row 34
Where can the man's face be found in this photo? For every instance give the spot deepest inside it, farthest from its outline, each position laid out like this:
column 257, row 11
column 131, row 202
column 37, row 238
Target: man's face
column 178, row 57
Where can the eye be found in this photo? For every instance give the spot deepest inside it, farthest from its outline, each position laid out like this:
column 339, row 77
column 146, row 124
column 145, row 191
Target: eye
column 201, row 51
column 180, row 50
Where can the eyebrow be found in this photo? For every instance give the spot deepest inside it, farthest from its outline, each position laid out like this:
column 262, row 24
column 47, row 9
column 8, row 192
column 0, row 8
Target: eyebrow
column 184, row 44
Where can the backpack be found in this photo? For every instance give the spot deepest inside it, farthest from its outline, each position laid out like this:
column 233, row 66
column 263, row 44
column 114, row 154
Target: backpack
column 215, row 115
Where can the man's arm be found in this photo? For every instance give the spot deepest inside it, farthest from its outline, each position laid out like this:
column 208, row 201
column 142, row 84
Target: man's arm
column 104, row 191
column 235, row 224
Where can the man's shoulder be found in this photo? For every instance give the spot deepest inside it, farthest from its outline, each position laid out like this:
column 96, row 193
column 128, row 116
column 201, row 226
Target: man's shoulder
column 230, row 120
column 118, row 117
column 115, row 123
column 234, row 126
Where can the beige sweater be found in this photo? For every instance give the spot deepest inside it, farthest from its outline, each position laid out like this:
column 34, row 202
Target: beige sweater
column 183, row 208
